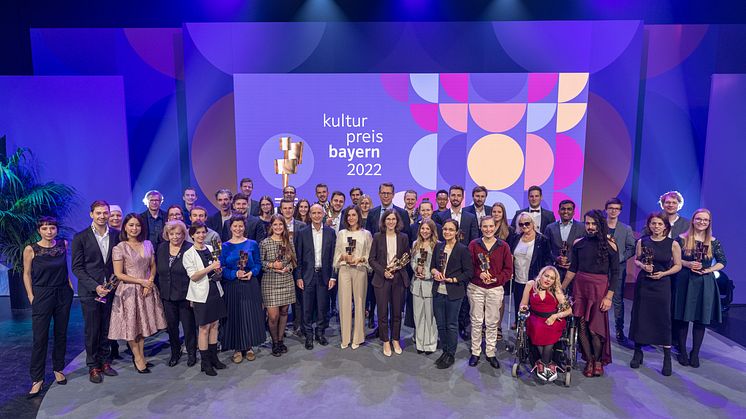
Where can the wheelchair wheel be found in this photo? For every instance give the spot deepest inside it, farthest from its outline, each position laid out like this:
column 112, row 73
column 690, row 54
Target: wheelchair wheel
column 514, row 370
column 567, row 378
column 573, row 348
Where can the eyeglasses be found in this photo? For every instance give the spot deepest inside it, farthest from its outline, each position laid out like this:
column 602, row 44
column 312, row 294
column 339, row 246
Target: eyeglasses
column 613, row 209
column 701, row 220
column 524, row 224
column 385, row 193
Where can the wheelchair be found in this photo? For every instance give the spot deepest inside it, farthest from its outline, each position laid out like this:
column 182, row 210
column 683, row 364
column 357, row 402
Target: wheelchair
column 565, row 350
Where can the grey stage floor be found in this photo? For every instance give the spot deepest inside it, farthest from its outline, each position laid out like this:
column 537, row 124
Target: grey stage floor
column 332, row 383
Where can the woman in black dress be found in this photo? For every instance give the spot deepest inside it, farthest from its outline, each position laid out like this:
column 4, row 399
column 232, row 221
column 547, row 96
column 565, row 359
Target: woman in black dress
column 658, row 257
column 173, row 283
column 206, row 296
column 696, row 293
column 50, row 293
column 595, row 266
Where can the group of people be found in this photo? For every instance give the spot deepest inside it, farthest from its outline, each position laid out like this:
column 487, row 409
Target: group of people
column 230, row 278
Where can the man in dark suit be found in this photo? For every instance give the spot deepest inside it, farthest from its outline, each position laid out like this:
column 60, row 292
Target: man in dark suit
column 386, row 194
column 189, row 199
column 477, row 208
column 542, row 217
column 315, row 274
column 563, row 233
column 671, row 203
column 469, row 227
column 215, row 221
column 467, row 222
column 91, row 264
column 246, row 186
column 426, row 213
column 254, row 230
column 154, row 217
column 287, row 208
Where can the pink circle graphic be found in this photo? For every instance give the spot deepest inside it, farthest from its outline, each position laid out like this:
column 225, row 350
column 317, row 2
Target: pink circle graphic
column 455, row 115
column 425, row 115
column 456, row 85
column 497, row 117
column 540, row 85
column 539, row 161
column 568, row 163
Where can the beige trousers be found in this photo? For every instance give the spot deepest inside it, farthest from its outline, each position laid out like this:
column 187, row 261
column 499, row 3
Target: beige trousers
column 485, row 308
column 353, row 284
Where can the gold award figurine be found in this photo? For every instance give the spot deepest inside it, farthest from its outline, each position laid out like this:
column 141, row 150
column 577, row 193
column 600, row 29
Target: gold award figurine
column 292, row 157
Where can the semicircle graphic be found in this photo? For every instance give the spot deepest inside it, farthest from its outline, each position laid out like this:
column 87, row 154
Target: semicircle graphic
column 451, row 157
column 540, row 85
column 396, row 85
column 456, row 85
column 425, row 115
column 569, row 115
column 558, row 197
column 568, row 161
column 215, row 133
column 155, row 46
column 495, row 151
column 497, row 117
column 538, row 115
column 539, row 161
column 426, row 86
column 511, row 206
column 422, row 160
column 455, row 115
column 571, row 85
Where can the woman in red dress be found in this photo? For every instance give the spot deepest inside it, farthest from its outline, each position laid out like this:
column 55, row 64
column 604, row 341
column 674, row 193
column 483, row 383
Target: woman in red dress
column 544, row 298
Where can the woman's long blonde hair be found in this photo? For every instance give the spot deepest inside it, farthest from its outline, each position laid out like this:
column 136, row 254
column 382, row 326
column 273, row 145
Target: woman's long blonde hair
column 556, row 288
column 688, row 236
column 421, row 242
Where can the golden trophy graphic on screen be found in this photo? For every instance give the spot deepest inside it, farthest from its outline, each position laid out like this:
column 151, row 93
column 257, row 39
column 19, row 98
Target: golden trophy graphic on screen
column 293, row 156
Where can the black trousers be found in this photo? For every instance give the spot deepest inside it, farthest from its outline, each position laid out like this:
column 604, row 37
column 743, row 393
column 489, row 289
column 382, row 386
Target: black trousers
column 299, row 315
column 332, row 299
column 49, row 303
column 315, row 296
column 180, row 312
column 371, row 297
column 390, row 293
column 464, row 317
column 96, row 317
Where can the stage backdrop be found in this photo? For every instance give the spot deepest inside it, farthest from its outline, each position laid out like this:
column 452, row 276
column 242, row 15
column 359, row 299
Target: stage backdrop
column 419, row 131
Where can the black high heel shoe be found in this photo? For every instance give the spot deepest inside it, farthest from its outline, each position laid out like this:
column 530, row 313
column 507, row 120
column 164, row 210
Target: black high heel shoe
column 139, row 371
column 61, row 382
column 38, row 392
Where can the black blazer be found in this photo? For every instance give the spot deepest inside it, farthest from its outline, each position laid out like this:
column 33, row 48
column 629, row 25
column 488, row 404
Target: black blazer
column 470, row 209
column 468, row 225
column 374, row 219
column 307, row 256
column 415, row 228
column 172, row 281
column 541, row 257
column 88, row 265
column 555, row 237
column 215, row 222
column 254, row 229
column 255, row 208
column 547, row 217
column 155, row 237
column 459, row 266
column 378, row 256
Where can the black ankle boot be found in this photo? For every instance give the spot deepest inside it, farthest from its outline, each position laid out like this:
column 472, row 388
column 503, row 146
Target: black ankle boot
column 213, row 349
column 666, row 362
column 694, row 359
column 682, row 358
column 276, row 351
column 206, row 361
column 636, row 358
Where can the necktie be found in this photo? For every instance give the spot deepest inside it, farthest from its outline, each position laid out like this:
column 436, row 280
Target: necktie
column 533, row 210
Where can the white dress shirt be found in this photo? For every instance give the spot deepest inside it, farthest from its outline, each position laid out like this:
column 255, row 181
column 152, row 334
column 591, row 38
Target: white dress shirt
column 103, row 241
column 318, row 239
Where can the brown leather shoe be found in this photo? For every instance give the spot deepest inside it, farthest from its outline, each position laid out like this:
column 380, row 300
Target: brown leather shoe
column 250, row 355
column 598, row 369
column 94, row 374
column 109, row 371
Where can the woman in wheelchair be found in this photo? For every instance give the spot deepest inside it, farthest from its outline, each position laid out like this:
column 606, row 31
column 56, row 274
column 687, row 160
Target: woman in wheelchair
column 544, row 299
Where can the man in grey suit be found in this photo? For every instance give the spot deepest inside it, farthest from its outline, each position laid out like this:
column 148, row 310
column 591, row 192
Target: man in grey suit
column 542, row 217
column 625, row 241
column 562, row 234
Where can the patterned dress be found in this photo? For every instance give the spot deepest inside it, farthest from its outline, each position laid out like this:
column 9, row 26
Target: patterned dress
column 278, row 289
column 132, row 314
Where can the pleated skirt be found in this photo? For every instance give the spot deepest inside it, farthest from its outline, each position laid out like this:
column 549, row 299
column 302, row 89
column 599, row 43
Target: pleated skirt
column 244, row 325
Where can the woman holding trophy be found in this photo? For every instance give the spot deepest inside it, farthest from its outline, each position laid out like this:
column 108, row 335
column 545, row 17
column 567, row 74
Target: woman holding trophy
column 278, row 288
column 389, row 254
column 351, row 260
column 658, row 257
column 137, row 311
column 696, row 293
column 426, row 331
column 451, row 268
column 244, row 327
column 202, row 264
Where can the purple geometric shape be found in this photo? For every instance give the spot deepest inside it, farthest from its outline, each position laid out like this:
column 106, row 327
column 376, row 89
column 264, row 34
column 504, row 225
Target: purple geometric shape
column 456, row 85
column 512, row 88
column 451, row 158
column 426, row 115
column 540, row 85
column 396, row 85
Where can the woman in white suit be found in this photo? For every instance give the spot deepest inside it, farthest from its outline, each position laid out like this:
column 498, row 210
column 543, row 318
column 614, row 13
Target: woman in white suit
column 206, row 296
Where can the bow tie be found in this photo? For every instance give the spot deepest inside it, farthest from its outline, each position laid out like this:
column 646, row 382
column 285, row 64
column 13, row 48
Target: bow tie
column 533, row 210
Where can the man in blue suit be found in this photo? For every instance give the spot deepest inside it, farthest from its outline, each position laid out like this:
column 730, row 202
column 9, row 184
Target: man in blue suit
column 315, row 274
column 477, row 208
column 386, row 193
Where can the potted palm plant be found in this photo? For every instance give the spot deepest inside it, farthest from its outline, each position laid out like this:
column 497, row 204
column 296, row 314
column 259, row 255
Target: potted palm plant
column 23, row 199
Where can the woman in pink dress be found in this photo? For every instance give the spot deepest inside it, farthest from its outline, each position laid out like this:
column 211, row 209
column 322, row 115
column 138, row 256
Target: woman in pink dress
column 137, row 311
column 544, row 298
